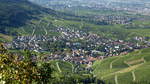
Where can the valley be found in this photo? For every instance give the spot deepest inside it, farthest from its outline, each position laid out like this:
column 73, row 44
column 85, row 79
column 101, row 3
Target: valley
column 76, row 41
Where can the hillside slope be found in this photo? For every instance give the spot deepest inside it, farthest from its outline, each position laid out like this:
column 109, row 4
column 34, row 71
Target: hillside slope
column 16, row 13
column 21, row 17
column 132, row 68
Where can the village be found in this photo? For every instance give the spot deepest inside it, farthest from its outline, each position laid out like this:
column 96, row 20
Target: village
column 75, row 46
column 114, row 19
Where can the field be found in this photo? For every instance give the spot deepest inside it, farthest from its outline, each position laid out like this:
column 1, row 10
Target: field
column 132, row 68
column 47, row 23
column 5, row 38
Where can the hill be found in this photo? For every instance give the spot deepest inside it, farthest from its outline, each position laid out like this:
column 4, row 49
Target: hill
column 17, row 13
column 21, row 17
column 132, row 68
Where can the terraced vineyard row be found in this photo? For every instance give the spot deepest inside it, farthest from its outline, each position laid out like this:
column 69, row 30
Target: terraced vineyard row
column 128, row 69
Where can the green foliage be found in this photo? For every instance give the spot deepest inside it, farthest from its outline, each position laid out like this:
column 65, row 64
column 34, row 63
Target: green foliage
column 125, row 67
column 45, row 70
column 15, row 69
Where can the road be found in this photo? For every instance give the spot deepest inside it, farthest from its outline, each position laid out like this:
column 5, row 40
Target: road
column 57, row 64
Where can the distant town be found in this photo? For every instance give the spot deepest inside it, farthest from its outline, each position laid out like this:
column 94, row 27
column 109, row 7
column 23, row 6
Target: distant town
column 76, row 46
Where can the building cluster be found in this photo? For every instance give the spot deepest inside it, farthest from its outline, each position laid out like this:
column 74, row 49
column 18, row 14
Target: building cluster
column 114, row 19
column 75, row 46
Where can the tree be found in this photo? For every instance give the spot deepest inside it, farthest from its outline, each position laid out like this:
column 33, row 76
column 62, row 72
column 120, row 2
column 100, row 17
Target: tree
column 15, row 71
